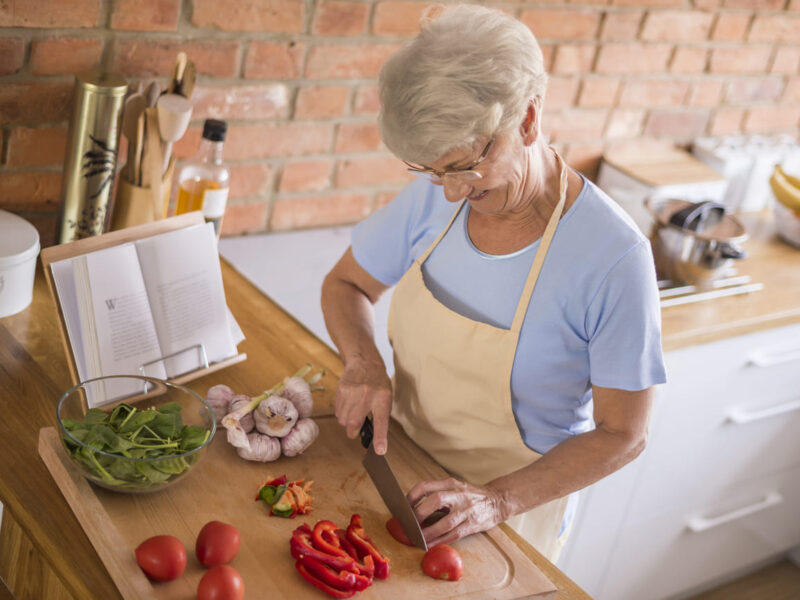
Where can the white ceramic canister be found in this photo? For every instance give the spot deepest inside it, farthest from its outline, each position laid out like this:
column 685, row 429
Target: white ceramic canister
column 19, row 247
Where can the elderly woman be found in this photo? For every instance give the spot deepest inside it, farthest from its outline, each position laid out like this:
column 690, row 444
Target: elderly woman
column 525, row 320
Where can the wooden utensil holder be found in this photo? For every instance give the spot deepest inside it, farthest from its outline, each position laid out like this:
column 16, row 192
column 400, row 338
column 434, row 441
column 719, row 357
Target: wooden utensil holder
column 133, row 204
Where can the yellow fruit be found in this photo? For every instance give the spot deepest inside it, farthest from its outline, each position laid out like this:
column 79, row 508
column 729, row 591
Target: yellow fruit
column 795, row 181
column 786, row 193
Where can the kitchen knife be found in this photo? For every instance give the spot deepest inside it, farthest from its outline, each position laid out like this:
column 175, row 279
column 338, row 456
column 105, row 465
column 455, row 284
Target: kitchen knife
column 388, row 487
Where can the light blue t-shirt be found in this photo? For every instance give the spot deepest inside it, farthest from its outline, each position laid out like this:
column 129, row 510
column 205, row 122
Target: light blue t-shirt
column 594, row 317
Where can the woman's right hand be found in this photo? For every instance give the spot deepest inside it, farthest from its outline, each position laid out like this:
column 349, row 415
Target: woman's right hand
column 364, row 388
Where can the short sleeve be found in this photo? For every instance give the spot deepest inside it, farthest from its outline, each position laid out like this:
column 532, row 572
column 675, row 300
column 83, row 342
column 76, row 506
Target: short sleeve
column 387, row 242
column 623, row 324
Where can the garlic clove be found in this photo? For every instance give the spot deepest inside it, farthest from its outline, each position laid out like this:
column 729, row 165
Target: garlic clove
column 275, row 416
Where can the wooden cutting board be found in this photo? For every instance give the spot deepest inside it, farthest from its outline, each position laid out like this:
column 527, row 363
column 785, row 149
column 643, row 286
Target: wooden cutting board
column 223, row 486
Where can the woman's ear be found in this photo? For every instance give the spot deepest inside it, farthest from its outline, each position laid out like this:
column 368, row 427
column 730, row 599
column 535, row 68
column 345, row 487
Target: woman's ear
column 530, row 126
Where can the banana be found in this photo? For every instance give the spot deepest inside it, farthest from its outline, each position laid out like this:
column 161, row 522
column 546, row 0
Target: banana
column 786, row 193
column 795, row 181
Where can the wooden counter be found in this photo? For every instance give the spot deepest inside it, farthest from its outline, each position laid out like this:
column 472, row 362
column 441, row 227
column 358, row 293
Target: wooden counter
column 771, row 262
column 44, row 553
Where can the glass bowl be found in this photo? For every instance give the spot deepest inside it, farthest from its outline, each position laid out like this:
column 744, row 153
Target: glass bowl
column 134, row 434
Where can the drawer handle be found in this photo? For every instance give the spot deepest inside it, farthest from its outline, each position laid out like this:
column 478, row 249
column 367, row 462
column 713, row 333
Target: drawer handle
column 699, row 524
column 740, row 416
column 760, row 358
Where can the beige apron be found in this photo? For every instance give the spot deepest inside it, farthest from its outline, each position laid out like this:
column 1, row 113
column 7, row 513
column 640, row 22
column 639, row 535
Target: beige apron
column 452, row 389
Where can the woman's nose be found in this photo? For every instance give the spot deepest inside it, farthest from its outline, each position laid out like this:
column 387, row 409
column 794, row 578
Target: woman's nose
column 455, row 189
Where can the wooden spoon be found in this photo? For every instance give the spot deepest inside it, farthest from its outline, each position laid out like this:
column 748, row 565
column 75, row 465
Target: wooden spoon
column 174, row 113
column 134, row 107
column 177, row 73
column 152, row 94
column 186, row 86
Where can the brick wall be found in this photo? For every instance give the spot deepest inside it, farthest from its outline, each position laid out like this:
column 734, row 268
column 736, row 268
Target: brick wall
column 295, row 80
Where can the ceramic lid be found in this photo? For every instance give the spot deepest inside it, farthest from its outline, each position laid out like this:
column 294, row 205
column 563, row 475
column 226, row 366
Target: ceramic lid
column 19, row 240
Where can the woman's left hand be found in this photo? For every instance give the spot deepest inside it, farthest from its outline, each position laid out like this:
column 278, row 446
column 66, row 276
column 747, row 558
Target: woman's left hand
column 469, row 508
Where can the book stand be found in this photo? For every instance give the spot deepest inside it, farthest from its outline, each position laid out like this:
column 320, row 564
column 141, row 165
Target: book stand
column 115, row 238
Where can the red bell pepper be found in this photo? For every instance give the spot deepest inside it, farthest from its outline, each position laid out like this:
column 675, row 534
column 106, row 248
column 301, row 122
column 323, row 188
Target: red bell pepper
column 325, row 539
column 301, row 545
column 341, row 580
column 302, row 568
column 365, row 547
column 365, row 566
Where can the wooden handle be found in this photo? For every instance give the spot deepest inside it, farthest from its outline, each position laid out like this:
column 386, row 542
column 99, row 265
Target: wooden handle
column 154, row 160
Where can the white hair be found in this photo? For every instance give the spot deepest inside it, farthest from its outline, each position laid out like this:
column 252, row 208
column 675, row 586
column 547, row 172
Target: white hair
column 469, row 74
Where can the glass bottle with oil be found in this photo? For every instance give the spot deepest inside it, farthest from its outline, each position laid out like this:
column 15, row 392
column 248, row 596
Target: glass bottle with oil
column 204, row 182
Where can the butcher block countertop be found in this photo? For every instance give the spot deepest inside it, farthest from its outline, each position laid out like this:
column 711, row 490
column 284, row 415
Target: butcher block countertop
column 769, row 261
column 44, row 552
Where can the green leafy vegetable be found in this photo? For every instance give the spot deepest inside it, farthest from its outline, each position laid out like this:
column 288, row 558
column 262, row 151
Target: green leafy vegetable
column 132, row 433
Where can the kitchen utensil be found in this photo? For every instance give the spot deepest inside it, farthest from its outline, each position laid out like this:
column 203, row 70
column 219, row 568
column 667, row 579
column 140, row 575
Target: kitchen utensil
column 174, row 113
column 152, row 93
column 694, row 243
column 188, row 80
column 114, row 471
column 177, row 73
column 152, row 166
column 388, row 487
column 134, row 107
column 139, row 145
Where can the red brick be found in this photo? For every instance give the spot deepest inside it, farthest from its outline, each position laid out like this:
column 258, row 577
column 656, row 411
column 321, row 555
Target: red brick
column 240, row 102
column 49, row 13
column 677, row 124
column 401, row 18
column 584, row 158
column 650, row 3
column 32, row 190
column 754, row 4
column 731, row 27
column 367, row 100
column 249, row 180
column 189, row 144
column 575, row 124
column 383, row 198
column 36, row 147
column 624, row 59
column 306, row 176
column 706, row 92
column 561, row 93
column 598, row 93
column 279, row 16
column 64, row 55
column 45, row 222
column 149, row 58
column 726, row 121
column 277, row 140
column 621, row 26
column 244, row 217
column 688, row 59
column 357, row 137
column 572, row 59
column 794, row 5
column 347, row 62
column 772, row 119
column 748, row 90
column 321, row 102
column 638, row 147
column 775, row 28
column 706, row 4
column 792, row 92
column 548, row 51
column 146, row 15
column 786, row 61
column 625, row 123
column 654, row 93
column 35, row 102
column 269, row 60
column 373, row 170
column 676, row 26
column 340, row 18
column 743, row 59
column 12, row 54
column 317, row 211
column 571, row 24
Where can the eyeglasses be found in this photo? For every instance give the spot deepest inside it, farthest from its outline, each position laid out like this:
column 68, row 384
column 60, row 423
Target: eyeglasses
column 465, row 175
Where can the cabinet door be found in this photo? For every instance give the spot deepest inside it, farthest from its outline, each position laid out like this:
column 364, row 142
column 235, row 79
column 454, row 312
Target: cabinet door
column 680, row 550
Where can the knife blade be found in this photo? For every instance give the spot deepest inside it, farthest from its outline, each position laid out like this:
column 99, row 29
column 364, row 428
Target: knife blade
column 389, row 488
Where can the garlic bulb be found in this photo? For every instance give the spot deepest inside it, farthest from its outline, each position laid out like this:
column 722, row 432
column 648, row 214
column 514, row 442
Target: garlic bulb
column 300, row 438
column 237, row 437
column 263, row 448
column 246, row 421
column 298, row 392
column 275, row 416
column 219, row 399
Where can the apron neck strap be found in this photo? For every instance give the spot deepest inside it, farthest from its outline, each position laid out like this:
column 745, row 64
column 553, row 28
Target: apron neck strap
column 427, row 252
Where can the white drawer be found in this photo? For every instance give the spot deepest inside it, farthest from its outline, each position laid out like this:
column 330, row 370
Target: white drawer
column 721, row 419
column 661, row 557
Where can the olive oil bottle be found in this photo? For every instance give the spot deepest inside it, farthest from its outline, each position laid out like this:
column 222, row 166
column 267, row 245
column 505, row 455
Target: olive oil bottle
column 204, row 182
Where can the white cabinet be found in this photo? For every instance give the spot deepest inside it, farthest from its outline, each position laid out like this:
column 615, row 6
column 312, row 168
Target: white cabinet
column 718, row 486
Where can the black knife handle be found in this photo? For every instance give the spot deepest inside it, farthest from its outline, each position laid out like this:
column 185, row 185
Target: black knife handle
column 366, row 433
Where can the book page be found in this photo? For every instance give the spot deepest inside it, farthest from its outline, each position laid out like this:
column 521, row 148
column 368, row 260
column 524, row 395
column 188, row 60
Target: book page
column 68, row 300
column 184, row 284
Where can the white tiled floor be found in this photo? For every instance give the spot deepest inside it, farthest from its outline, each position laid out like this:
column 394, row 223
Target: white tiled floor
column 289, row 267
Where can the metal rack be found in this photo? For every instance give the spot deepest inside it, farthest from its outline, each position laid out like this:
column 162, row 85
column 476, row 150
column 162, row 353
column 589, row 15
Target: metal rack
column 675, row 294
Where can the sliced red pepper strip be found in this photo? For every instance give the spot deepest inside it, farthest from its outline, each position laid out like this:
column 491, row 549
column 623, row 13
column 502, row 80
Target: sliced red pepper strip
column 365, row 547
column 366, row 566
column 300, row 544
column 325, row 538
column 301, row 567
column 341, row 580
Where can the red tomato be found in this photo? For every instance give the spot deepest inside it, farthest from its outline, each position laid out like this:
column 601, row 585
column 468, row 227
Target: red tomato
column 217, row 543
column 443, row 562
column 162, row 557
column 221, row 583
column 396, row 529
